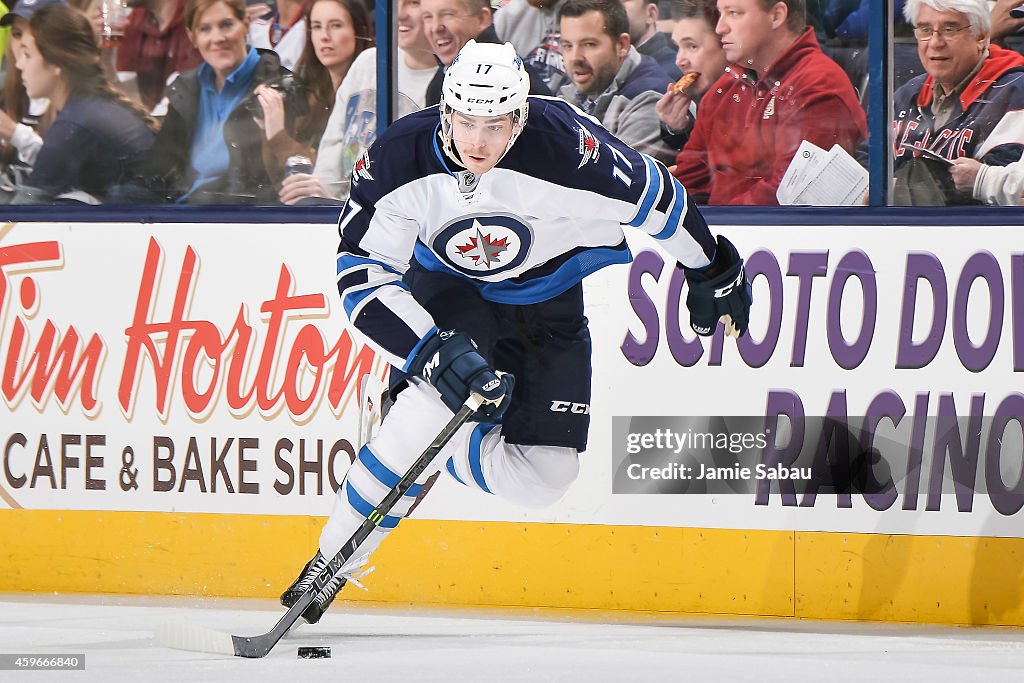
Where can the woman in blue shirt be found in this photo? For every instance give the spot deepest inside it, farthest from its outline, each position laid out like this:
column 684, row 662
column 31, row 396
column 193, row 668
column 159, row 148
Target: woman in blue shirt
column 210, row 148
column 99, row 137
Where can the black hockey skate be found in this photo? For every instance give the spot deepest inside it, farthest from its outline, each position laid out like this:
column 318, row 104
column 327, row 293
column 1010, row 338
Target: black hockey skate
column 323, row 599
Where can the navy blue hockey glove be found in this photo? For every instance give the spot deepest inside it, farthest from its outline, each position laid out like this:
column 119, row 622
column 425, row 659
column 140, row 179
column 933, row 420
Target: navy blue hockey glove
column 450, row 362
column 719, row 290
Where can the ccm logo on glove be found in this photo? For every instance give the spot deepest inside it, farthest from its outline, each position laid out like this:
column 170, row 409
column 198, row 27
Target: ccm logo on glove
column 727, row 290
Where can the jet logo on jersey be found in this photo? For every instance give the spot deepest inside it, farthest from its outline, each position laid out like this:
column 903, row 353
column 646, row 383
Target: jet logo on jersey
column 481, row 248
column 590, row 148
column 483, row 244
column 361, row 170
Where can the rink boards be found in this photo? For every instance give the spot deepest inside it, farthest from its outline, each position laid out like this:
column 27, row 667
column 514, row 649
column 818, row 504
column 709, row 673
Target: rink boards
column 179, row 400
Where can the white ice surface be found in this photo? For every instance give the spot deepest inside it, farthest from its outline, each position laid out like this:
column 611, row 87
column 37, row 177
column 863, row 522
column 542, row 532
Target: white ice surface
column 377, row 645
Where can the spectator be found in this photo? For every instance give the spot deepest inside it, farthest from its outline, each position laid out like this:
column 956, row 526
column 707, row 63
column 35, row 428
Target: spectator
column 99, row 137
column 699, row 51
column 846, row 25
column 779, row 90
column 339, row 30
column 155, row 46
column 966, row 107
column 283, row 30
column 611, row 81
column 1005, row 25
column 1002, row 185
column 352, row 126
column 23, row 120
column 647, row 39
column 449, row 25
column 211, row 148
column 532, row 26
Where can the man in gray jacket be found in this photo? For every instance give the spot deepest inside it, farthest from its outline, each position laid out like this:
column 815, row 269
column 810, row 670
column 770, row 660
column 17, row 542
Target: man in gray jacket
column 610, row 80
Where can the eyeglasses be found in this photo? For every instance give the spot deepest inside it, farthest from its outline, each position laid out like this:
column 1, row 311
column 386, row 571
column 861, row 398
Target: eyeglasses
column 947, row 31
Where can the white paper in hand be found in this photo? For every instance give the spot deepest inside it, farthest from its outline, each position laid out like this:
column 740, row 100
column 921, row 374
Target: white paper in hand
column 819, row 178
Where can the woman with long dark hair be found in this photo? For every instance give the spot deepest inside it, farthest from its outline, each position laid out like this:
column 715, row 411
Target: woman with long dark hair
column 22, row 120
column 99, row 137
column 339, row 30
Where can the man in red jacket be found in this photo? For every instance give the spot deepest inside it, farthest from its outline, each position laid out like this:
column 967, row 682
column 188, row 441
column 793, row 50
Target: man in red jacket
column 780, row 89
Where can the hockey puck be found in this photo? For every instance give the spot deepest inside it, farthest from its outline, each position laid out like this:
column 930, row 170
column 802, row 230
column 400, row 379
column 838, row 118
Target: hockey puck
column 314, row 652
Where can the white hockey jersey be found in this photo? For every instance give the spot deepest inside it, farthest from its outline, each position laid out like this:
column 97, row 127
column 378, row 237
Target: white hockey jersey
column 549, row 214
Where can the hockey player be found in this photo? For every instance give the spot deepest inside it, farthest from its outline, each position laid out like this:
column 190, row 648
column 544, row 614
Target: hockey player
column 463, row 245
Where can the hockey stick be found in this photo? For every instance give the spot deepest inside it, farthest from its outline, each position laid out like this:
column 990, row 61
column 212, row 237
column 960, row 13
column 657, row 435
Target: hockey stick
column 184, row 637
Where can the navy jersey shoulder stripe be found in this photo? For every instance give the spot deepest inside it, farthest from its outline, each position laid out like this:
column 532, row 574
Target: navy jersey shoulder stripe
column 562, row 145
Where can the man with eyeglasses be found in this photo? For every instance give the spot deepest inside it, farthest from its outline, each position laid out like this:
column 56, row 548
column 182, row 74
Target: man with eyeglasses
column 964, row 114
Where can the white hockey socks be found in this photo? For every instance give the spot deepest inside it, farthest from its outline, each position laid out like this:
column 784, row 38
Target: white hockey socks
column 477, row 456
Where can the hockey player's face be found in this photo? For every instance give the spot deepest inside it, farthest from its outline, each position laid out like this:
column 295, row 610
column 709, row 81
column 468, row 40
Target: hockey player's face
column 450, row 24
column 480, row 140
column 746, row 31
column 592, row 57
column 948, row 58
column 699, row 50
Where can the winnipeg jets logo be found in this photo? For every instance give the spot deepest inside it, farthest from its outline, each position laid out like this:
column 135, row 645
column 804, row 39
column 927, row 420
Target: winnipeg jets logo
column 361, row 170
column 482, row 248
column 482, row 244
column 590, row 148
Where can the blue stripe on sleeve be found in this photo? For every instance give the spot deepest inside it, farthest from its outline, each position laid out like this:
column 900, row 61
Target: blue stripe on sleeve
column 672, row 224
column 383, row 473
column 352, row 300
column 651, row 196
column 346, row 261
column 355, row 298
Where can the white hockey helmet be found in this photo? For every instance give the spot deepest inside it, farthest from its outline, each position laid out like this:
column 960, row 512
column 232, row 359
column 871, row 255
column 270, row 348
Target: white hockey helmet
column 486, row 79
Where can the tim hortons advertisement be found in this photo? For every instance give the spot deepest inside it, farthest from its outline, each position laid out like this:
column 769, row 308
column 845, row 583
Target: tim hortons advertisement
column 210, row 369
column 189, row 368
